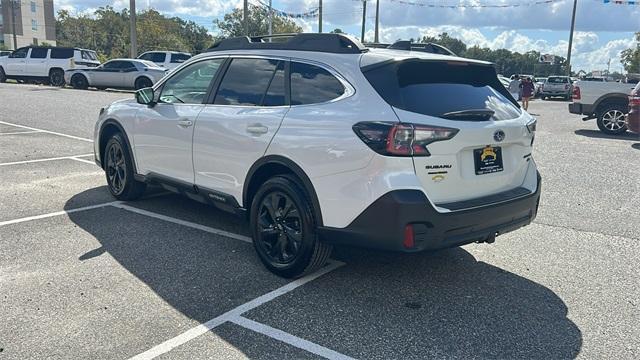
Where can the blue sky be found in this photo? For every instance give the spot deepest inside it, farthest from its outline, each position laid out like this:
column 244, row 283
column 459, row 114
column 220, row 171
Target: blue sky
column 602, row 30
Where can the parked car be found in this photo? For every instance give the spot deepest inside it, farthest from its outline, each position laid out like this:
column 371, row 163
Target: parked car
column 5, row 53
column 539, row 83
column 117, row 74
column 315, row 141
column 607, row 102
column 166, row 59
column 633, row 118
column 557, row 86
column 46, row 64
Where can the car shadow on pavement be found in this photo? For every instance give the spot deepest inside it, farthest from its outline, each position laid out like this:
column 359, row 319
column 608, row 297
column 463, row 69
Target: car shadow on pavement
column 443, row 304
column 636, row 146
column 599, row 134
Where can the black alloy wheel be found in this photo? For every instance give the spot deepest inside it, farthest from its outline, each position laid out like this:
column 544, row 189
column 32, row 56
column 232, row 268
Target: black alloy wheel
column 79, row 82
column 56, row 77
column 116, row 168
column 284, row 228
column 280, row 228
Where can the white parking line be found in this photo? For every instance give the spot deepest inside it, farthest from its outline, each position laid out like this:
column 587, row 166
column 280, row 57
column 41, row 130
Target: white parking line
column 57, row 213
column 73, row 157
column 184, row 223
column 20, row 132
column 83, row 160
column 289, row 339
column 233, row 314
column 47, row 131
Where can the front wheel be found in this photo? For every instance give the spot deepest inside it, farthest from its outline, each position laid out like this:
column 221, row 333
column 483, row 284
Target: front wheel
column 118, row 167
column 611, row 119
column 79, row 82
column 283, row 228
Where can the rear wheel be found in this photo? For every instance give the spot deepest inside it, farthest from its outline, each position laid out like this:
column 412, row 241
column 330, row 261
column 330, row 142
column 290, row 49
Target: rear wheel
column 56, row 77
column 142, row 83
column 118, row 167
column 284, row 229
column 611, row 119
column 3, row 76
column 79, row 82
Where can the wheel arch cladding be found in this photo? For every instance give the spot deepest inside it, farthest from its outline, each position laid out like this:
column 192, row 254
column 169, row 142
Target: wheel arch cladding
column 54, row 69
column 610, row 99
column 107, row 130
column 273, row 165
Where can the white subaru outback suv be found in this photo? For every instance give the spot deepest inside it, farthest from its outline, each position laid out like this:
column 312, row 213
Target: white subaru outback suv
column 320, row 141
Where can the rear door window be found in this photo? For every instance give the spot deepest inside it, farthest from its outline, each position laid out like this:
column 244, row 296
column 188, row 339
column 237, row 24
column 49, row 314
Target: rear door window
column 451, row 90
column 246, row 82
column 38, row 53
column 58, row 53
column 179, row 58
column 311, row 84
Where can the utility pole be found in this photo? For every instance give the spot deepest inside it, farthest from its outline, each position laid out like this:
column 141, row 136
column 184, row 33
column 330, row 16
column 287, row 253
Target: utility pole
column 134, row 32
column 573, row 25
column 245, row 17
column 320, row 16
column 364, row 19
column 375, row 38
column 13, row 23
column 270, row 20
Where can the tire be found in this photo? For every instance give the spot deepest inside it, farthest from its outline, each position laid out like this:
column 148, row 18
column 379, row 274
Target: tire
column 3, row 76
column 79, row 82
column 118, row 168
column 283, row 227
column 56, row 77
column 611, row 119
column 143, row 82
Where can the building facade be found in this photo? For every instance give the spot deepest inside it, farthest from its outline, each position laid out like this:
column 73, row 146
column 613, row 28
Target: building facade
column 35, row 23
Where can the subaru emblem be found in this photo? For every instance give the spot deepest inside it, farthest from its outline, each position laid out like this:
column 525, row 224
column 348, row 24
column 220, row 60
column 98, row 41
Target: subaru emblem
column 498, row 136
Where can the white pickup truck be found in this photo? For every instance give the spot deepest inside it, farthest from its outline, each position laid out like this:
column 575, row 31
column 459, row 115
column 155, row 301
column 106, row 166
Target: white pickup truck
column 608, row 102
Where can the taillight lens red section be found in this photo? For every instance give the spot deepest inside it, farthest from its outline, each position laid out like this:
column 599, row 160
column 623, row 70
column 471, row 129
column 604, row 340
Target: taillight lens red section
column 634, row 100
column 401, row 139
column 576, row 93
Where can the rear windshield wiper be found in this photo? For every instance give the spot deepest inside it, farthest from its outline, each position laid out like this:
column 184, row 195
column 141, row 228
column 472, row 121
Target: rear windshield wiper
column 481, row 114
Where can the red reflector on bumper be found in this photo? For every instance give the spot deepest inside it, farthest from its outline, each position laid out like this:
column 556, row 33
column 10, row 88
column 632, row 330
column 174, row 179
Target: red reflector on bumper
column 408, row 242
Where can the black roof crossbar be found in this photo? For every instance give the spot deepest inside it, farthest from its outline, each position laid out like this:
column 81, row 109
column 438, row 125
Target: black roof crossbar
column 424, row 47
column 331, row 43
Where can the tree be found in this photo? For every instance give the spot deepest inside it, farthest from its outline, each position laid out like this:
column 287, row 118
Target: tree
column 233, row 24
column 630, row 58
column 337, row 31
column 107, row 32
column 451, row 43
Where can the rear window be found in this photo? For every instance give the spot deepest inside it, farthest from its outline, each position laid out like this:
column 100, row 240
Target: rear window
column 61, row 53
column 312, row 85
column 558, row 80
column 452, row 90
column 89, row 55
column 179, row 58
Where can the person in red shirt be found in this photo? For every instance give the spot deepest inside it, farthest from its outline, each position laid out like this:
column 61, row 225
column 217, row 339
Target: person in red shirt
column 528, row 89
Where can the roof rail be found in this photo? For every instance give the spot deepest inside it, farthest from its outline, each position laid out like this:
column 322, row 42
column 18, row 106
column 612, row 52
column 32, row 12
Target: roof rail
column 424, row 47
column 332, row 43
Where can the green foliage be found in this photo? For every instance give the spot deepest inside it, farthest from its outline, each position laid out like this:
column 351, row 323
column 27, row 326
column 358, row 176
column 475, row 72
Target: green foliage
column 233, row 25
column 107, row 32
column 630, row 58
column 506, row 62
column 3, row 47
column 337, row 31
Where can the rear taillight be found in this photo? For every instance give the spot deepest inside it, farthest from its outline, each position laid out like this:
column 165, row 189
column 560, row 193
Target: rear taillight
column 576, row 93
column 401, row 139
column 634, row 100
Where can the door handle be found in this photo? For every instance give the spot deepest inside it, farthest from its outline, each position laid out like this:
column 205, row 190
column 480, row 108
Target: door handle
column 257, row 129
column 185, row 123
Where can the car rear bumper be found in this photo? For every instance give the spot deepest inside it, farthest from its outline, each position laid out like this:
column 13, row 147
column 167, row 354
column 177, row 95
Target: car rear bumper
column 382, row 225
column 633, row 121
column 555, row 93
column 580, row 109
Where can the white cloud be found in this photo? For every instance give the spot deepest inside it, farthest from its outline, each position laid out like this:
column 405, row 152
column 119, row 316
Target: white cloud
column 588, row 53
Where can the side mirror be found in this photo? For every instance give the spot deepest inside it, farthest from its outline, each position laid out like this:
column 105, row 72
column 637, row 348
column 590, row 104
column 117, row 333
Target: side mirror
column 145, row 96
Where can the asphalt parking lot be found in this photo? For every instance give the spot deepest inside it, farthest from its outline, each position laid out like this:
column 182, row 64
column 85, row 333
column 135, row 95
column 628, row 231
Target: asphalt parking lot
column 83, row 276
